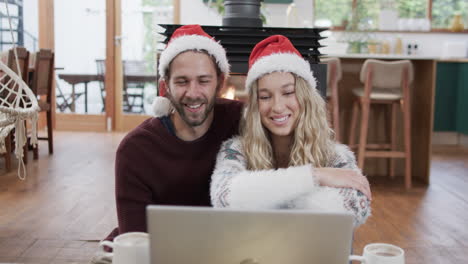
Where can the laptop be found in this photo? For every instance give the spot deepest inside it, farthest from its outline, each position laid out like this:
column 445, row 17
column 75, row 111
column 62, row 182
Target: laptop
column 205, row 235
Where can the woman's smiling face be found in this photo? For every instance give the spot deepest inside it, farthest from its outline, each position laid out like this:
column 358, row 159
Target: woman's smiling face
column 277, row 102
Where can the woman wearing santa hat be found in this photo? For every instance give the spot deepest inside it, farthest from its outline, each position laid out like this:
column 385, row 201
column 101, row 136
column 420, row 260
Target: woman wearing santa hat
column 286, row 156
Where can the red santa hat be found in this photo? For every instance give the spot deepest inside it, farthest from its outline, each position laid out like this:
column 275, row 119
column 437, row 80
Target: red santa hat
column 277, row 54
column 188, row 37
column 192, row 37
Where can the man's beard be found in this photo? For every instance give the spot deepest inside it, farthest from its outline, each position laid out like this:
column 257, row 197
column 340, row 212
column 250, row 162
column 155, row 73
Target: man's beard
column 200, row 117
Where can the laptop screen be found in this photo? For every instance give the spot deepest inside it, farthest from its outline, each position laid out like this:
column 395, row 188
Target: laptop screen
column 183, row 235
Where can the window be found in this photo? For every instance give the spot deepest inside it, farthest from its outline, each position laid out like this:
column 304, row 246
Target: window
column 412, row 8
column 444, row 10
column 364, row 14
column 335, row 10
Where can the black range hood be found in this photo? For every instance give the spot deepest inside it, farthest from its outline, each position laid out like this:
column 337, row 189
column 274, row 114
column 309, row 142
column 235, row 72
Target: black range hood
column 239, row 41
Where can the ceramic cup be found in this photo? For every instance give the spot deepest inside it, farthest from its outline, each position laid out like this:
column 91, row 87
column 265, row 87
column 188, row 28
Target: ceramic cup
column 132, row 247
column 380, row 253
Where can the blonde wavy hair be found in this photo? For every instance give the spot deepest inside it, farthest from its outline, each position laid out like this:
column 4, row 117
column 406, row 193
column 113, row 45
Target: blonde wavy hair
column 313, row 137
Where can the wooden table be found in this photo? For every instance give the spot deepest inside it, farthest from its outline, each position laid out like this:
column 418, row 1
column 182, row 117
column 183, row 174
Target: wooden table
column 73, row 79
column 422, row 116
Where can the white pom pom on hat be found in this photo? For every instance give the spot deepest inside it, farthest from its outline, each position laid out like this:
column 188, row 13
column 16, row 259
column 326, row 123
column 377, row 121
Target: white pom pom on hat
column 161, row 106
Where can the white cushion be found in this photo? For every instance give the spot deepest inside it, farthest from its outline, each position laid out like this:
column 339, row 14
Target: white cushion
column 380, row 93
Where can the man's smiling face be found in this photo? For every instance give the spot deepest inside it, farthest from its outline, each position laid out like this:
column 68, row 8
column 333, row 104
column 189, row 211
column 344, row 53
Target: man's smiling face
column 193, row 84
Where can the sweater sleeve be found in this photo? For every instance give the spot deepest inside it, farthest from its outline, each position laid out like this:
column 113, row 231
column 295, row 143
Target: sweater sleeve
column 339, row 199
column 132, row 194
column 233, row 185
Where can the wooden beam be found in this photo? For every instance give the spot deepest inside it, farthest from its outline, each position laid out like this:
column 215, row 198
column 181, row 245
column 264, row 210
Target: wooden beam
column 47, row 41
column 118, row 74
column 429, row 10
column 422, row 112
column 79, row 122
column 130, row 122
column 110, row 63
column 385, row 154
column 46, row 24
column 176, row 4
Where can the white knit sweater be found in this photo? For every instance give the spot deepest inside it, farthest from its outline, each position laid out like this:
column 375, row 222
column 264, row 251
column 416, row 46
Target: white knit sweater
column 232, row 185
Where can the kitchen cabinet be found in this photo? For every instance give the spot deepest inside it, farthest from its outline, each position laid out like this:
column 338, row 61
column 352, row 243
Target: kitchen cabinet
column 451, row 107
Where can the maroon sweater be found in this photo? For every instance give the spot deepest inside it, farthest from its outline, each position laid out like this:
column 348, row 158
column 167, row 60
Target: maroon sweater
column 155, row 167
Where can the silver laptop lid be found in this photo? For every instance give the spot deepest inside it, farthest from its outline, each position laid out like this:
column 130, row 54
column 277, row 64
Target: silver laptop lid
column 203, row 235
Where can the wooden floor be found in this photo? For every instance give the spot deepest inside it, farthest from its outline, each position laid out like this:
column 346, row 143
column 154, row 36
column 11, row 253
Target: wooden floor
column 67, row 204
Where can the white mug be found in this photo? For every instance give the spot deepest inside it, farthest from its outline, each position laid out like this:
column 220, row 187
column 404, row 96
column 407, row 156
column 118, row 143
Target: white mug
column 381, row 253
column 132, row 247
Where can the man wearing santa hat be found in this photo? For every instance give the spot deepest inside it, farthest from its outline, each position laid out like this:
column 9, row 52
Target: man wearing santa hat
column 168, row 159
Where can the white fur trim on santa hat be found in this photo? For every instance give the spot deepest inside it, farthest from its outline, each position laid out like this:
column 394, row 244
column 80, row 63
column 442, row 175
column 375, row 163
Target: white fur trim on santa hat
column 280, row 62
column 193, row 42
column 161, row 106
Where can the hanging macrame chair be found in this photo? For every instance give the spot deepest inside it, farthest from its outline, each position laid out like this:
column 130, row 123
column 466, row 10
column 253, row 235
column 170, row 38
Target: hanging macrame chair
column 17, row 104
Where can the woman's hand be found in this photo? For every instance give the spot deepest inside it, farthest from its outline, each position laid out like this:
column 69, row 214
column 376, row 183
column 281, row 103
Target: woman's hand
column 343, row 178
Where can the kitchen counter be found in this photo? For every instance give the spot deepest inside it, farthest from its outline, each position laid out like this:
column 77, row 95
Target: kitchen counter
column 460, row 60
column 395, row 57
column 382, row 56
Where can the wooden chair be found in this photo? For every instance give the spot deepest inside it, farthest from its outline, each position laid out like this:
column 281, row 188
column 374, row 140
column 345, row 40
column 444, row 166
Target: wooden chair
column 65, row 101
column 23, row 60
column 42, row 87
column 134, row 92
column 334, row 74
column 8, row 150
column 101, row 71
column 385, row 83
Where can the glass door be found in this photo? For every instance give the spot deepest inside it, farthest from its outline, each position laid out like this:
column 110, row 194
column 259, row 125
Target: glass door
column 80, row 60
column 136, row 63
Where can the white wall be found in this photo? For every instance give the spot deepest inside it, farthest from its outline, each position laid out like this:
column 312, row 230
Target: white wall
column 305, row 11
column 429, row 44
column 196, row 12
column 30, row 23
column 432, row 44
column 275, row 14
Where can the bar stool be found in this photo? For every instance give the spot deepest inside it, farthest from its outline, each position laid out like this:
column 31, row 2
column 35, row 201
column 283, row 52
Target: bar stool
column 385, row 83
column 334, row 75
